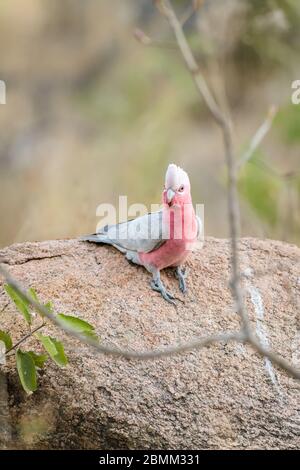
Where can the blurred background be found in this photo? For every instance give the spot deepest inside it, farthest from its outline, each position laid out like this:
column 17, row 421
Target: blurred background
column 92, row 114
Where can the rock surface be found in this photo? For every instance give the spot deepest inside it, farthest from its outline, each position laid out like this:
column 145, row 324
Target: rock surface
column 225, row 396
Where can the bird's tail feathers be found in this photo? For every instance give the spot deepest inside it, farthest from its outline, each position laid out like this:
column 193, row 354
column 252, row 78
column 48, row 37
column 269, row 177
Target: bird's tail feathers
column 95, row 238
column 102, row 238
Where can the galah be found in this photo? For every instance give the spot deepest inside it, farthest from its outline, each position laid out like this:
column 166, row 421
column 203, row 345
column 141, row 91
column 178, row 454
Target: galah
column 159, row 239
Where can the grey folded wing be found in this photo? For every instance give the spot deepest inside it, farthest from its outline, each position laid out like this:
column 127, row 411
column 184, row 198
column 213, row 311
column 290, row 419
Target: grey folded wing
column 143, row 234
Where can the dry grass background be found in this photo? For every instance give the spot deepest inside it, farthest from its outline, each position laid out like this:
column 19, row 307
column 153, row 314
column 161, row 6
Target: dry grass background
column 92, row 114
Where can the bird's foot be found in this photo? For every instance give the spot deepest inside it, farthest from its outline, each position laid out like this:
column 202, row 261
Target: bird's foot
column 158, row 286
column 181, row 274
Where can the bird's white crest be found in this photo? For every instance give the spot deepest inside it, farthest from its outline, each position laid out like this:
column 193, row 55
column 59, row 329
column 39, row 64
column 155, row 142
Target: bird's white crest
column 175, row 177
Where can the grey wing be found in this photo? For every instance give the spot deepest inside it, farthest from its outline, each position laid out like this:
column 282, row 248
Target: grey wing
column 143, row 234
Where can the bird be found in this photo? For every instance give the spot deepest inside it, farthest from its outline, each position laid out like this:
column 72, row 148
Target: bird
column 160, row 239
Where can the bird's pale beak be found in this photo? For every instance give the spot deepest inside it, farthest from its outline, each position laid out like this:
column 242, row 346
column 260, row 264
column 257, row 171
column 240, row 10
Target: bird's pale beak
column 170, row 195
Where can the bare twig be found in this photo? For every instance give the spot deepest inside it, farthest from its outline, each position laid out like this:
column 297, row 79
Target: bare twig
column 25, row 338
column 232, row 167
column 220, row 118
column 274, row 358
column 190, row 11
column 198, row 343
column 258, row 137
column 144, row 39
column 200, row 82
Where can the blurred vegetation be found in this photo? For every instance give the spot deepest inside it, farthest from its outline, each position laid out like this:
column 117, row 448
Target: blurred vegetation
column 270, row 35
column 288, row 124
column 261, row 190
column 91, row 114
column 273, row 195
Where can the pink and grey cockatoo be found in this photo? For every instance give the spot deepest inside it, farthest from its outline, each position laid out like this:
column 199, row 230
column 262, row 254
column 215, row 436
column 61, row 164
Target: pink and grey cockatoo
column 160, row 239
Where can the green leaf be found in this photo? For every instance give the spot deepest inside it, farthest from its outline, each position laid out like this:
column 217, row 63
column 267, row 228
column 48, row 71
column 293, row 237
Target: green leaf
column 54, row 348
column 38, row 359
column 77, row 325
column 26, row 370
column 33, row 294
column 5, row 337
column 19, row 302
column 61, row 358
column 48, row 344
column 49, row 306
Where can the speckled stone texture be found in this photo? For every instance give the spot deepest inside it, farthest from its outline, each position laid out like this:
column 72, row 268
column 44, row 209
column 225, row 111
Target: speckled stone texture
column 222, row 397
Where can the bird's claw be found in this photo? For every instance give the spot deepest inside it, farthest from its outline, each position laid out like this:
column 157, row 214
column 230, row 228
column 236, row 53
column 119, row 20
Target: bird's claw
column 158, row 287
column 182, row 285
column 181, row 275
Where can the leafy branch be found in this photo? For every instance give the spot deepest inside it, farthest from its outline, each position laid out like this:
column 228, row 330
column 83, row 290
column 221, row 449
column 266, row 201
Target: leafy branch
column 29, row 362
column 197, row 343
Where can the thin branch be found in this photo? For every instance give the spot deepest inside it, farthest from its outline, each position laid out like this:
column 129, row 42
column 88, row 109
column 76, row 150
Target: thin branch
column 220, row 118
column 168, row 351
column 187, row 15
column 233, row 201
column 258, row 137
column 200, row 82
column 22, row 340
column 274, row 358
column 190, row 11
column 144, row 39
column 198, row 343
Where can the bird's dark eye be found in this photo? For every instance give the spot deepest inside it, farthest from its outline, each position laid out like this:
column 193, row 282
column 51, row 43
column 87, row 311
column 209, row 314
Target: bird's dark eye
column 181, row 189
